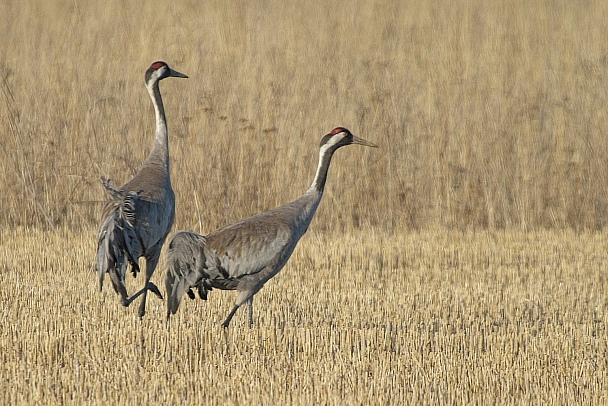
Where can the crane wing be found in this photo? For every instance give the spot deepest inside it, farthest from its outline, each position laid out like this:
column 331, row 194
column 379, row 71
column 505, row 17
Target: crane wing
column 246, row 247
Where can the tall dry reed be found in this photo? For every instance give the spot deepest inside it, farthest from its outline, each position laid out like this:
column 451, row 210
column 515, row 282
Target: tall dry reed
column 489, row 115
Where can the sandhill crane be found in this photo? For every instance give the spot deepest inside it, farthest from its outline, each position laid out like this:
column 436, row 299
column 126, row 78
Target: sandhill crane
column 137, row 218
column 245, row 255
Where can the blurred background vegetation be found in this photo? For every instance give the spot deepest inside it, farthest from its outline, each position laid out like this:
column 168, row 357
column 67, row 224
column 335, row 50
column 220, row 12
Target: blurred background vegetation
column 489, row 115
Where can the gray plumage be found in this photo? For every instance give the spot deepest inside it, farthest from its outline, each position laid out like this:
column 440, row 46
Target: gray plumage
column 245, row 255
column 137, row 218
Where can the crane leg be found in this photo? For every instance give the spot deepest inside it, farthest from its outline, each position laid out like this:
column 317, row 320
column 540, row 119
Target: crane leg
column 150, row 267
column 233, row 311
column 250, row 312
column 227, row 321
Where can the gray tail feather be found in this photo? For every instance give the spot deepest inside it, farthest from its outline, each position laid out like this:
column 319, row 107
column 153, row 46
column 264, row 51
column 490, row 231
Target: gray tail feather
column 111, row 257
column 118, row 243
column 185, row 260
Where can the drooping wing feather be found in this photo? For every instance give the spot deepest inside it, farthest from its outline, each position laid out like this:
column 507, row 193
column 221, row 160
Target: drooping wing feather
column 185, row 266
column 110, row 251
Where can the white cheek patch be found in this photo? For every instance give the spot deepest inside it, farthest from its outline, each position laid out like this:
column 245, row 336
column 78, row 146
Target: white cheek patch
column 334, row 140
column 327, row 146
column 158, row 73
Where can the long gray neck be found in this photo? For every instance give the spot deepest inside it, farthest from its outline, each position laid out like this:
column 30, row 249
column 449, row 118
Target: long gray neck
column 318, row 184
column 307, row 204
column 160, row 150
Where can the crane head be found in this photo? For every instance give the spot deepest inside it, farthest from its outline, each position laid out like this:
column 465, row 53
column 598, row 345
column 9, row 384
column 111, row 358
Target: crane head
column 340, row 136
column 160, row 70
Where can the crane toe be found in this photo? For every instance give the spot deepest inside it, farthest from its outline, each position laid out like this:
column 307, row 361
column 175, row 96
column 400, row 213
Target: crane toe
column 154, row 289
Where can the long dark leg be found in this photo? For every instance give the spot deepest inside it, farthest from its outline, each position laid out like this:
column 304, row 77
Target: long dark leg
column 235, row 308
column 250, row 312
column 149, row 286
column 150, row 267
column 227, row 321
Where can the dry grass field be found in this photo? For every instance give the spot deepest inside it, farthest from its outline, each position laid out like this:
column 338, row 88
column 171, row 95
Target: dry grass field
column 422, row 317
column 464, row 261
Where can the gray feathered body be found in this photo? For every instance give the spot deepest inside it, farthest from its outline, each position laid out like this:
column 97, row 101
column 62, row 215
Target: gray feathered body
column 135, row 223
column 242, row 256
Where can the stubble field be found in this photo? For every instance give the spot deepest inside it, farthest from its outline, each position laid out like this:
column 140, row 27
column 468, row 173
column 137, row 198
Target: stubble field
column 422, row 317
column 462, row 262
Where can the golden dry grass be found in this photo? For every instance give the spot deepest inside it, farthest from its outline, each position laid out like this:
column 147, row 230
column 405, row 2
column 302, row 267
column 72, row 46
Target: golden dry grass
column 489, row 114
column 462, row 262
column 425, row 317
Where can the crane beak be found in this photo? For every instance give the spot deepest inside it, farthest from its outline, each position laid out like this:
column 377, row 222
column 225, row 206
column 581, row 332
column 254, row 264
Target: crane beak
column 176, row 74
column 361, row 141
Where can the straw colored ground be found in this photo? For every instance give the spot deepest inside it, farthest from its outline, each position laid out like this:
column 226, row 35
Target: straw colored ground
column 463, row 261
column 486, row 317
